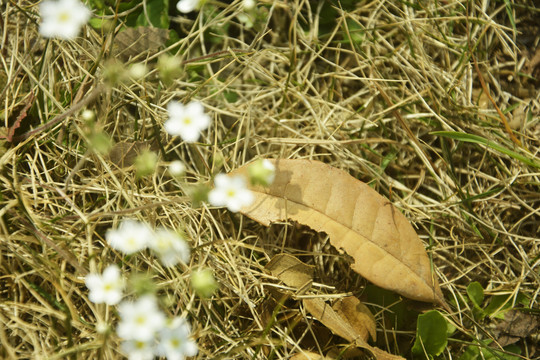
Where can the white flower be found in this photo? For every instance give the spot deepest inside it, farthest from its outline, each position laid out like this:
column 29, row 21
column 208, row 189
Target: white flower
column 186, row 6
column 107, row 287
column 130, row 237
column 230, row 191
column 170, row 247
column 63, row 18
column 140, row 320
column 187, row 121
column 138, row 350
column 177, row 168
column 174, row 342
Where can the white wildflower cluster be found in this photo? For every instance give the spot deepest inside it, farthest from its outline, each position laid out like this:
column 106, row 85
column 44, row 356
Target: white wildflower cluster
column 232, row 191
column 148, row 333
column 145, row 330
column 143, row 327
column 188, row 121
column 133, row 236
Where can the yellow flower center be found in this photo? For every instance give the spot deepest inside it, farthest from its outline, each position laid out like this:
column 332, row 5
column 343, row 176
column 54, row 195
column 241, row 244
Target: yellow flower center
column 64, row 17
column 175, row 343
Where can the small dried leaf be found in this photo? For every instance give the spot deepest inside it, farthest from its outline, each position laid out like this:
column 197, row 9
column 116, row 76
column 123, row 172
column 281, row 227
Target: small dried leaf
column 515, row 326
column 357, row 315
column 384, row 245
column 330, row 318
column 290, row 270
column 123, row 154
column 134, row 41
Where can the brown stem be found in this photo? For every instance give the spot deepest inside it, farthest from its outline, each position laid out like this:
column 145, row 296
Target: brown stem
column 75, row 108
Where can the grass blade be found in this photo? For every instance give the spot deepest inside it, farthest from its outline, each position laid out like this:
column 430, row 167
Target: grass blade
column 482, row 141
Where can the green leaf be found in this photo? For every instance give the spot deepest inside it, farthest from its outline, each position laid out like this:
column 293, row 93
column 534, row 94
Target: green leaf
column 476, row 293
column 484, row 352
column 431, row 334
column 156, row 14
column 480, row 140
column 498, row 305
column 96, row 22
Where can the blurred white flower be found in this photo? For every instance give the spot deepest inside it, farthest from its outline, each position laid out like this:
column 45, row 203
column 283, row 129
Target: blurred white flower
column 249, row 4
column 262, row 172
column 138, row 350
column 186, row 6
column 88, row 115
column 130, row 237
column 186, row 120
column 230, row 191
column 107, row 287
column 140, row 320
column 170, row 247
column 177, row 168
column 63, row 18
column 174, row 342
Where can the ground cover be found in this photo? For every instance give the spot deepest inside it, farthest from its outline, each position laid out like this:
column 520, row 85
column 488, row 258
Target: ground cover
column 433, row 104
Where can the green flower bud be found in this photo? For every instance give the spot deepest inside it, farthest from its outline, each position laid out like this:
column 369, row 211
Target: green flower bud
column 262, row 172
column 203, row 282
column 145, row 163
column 169, row 67
column 100, row 142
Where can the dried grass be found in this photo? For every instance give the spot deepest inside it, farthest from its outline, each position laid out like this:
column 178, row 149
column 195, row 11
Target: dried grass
column 303, row 91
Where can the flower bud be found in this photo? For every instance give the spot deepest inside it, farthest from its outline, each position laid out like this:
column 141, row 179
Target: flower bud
column 145, row 163
column 262, row 172
column 203, row 282
column 169, row 67
column 137, row 71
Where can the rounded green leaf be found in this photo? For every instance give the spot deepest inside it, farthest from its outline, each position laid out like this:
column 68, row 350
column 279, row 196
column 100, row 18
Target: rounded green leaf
column 431, row 334
column 476, row 293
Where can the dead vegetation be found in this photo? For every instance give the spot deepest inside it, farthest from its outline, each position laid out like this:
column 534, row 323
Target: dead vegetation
column 387, row 91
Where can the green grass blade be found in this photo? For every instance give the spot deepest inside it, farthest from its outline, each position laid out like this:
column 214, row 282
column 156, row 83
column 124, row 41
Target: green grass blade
column 482, row 141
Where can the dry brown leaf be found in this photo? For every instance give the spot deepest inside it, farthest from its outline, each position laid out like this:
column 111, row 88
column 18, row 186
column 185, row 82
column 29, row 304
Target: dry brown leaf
column 134, row 41
column 515, row 326
column 357, row 315
column 291, row 271
column 348, row 317
column 323, row 312
column 339, row 326
column 385, row 248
